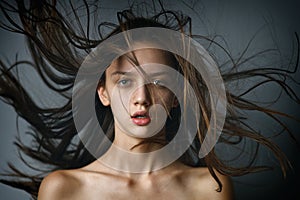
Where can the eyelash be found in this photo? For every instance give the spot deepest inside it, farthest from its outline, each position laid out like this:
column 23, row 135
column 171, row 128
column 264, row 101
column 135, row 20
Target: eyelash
column 122, row 84
column 158, row 82
column 126, row 82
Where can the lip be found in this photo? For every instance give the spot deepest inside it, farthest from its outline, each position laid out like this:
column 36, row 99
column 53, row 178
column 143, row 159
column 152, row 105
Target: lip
column 141, row 121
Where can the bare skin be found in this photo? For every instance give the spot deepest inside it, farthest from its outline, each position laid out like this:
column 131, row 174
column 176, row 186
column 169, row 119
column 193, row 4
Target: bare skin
column 97, row 181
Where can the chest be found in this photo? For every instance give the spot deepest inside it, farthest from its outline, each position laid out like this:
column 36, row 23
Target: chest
column 136, row 192
column 138, row 195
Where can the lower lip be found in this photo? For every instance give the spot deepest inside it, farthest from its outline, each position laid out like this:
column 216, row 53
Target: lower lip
column 141, row 121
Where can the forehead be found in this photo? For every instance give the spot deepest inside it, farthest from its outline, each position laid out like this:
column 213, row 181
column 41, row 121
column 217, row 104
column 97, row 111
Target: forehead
column 141, row 57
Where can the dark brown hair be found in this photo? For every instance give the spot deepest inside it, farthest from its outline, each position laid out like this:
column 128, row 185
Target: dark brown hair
column 58, row 46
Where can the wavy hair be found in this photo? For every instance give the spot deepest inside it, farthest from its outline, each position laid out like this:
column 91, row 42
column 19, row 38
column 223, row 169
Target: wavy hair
column 58, row 44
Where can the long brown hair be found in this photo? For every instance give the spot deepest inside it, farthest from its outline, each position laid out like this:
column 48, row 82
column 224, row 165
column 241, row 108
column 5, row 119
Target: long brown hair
column 58, row 46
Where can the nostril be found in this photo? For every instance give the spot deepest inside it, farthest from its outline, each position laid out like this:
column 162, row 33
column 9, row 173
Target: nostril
column 142, row 102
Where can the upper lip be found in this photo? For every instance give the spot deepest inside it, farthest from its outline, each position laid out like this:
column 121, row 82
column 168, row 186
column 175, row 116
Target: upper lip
column 138, row 113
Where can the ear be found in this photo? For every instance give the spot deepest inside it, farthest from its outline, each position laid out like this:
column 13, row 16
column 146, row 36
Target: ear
column 103, row 96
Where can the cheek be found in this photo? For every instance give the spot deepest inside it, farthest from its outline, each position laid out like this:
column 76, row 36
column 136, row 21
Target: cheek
column 119, row 101
column 165, row 98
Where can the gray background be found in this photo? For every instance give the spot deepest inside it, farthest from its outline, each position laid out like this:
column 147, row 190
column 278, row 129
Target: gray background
column 237, row 21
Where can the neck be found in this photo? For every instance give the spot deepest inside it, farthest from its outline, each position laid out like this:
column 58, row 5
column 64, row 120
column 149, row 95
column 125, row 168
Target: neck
column 139, row 145
column 137, row 155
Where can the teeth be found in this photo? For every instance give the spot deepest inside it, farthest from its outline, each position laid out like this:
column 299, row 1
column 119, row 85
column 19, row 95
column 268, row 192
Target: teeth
column 140, row 116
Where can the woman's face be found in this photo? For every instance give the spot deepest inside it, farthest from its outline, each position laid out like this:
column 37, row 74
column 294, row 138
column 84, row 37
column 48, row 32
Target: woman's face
column 138, row 96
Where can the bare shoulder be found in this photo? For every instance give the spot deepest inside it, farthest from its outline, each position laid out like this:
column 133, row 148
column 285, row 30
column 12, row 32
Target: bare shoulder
column 60, row 184
column 204, row 186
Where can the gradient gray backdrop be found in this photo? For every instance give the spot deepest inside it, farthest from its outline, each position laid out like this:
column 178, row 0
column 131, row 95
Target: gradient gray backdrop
column 237, row 21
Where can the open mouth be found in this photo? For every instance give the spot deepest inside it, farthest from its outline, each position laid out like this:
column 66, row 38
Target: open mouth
column 141, row 118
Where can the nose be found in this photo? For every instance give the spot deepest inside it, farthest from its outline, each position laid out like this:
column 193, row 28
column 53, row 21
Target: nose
column 141, row 96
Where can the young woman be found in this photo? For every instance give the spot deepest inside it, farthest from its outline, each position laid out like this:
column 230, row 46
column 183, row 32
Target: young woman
column 58, row 51
column 175, row 181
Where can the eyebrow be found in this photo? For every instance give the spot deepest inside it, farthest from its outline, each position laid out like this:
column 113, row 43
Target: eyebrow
column 119, row 73
column 132, row 73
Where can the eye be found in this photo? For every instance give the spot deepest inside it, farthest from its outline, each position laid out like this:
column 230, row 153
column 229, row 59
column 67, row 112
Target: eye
column 124, row 82
column 158, row 82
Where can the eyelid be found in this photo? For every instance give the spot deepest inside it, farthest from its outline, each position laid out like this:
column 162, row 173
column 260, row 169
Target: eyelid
column 121, row 83
column 163, row 80
column 160, row 82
